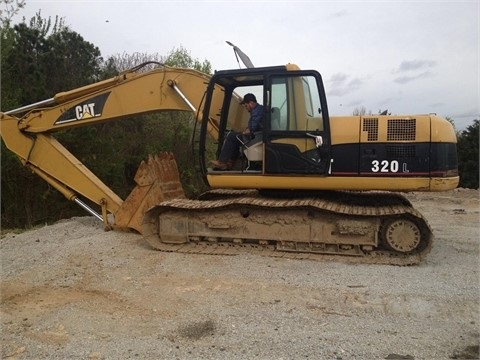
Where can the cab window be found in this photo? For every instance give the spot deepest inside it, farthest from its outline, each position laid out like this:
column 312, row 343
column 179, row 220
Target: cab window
column 295, row 104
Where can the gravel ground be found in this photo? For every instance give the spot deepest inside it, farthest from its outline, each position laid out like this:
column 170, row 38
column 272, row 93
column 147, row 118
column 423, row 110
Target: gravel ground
column 73, row 291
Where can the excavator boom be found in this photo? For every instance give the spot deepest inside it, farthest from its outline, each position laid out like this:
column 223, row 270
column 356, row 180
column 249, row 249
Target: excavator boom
column 28, row 132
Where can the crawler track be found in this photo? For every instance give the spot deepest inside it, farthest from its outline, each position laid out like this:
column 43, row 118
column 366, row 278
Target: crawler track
column 367, row 227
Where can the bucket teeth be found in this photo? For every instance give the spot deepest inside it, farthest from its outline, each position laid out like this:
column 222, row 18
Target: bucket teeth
column 157, row 180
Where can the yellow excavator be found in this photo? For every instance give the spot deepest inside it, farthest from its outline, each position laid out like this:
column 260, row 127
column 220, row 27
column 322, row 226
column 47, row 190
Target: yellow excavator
column 309, row 185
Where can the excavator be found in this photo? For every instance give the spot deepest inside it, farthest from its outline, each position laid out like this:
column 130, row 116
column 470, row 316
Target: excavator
column 309, row 185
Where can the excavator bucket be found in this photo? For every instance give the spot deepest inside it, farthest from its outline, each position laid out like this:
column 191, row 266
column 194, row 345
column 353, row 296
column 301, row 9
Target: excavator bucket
column 157, row 180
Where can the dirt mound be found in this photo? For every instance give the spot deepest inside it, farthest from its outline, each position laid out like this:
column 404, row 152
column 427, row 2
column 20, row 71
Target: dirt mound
column 71, row 290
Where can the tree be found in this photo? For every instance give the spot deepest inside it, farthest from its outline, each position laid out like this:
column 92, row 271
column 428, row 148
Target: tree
column 44, row 57
column 125, row 61
column 181, row 58
column 39, row 59
column 361, row 111
column 178, row 57
column 11, row 8
column 131, row 140
column 468, row 157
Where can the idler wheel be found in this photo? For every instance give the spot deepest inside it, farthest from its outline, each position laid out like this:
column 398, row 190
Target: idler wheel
column 402, row 235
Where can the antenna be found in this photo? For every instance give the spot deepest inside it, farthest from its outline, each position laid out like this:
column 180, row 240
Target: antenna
column 239, row 53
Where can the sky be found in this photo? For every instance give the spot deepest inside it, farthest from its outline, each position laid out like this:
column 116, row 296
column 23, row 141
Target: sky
column 407, row 57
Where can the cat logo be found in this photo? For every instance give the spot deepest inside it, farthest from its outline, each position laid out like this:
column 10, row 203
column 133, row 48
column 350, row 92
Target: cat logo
column 85, row 111
column 88, row 109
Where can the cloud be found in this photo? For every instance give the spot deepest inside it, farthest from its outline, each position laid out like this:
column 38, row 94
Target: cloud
column 406, row 79
column 339, row 14
column 436, row 105
column 411, row 65
column 469, row 114
column 341, row 84
column 416, row 69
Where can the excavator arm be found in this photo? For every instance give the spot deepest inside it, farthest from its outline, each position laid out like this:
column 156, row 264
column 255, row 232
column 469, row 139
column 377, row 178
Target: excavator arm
column 27, row 132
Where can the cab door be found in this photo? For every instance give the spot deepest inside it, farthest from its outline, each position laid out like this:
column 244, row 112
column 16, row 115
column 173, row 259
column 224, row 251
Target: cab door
column 297, row 136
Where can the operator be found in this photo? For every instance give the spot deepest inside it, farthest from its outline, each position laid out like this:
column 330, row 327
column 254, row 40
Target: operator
column 230, row 150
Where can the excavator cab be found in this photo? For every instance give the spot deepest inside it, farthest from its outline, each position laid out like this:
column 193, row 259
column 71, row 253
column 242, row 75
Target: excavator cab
column 302, row 147
column 295, row 136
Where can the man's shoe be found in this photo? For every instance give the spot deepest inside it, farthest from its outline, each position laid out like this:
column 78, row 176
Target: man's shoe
column 220, row 165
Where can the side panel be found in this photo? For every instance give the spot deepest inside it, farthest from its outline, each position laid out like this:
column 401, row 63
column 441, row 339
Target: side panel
column 384, row 159
column 413, row 146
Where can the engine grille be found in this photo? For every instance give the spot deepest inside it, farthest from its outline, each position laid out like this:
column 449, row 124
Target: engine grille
column 397, row 152
column 371, row 127
column 401, row 129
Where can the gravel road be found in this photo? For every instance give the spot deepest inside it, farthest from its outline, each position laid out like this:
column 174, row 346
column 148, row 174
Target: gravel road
column 73, row 291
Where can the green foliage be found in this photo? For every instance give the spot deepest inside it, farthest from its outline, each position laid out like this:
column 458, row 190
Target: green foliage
column 9, row 99
column 127, row 61
column 73, row 61
column 42, row 59
column 468, row 158
column 109, row 70
column 181, row 58
column 26, row 199
column 39, row 60
column 44, row 26
column 137, row 137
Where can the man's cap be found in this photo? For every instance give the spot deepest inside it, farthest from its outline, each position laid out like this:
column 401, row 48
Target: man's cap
column 248, row 97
